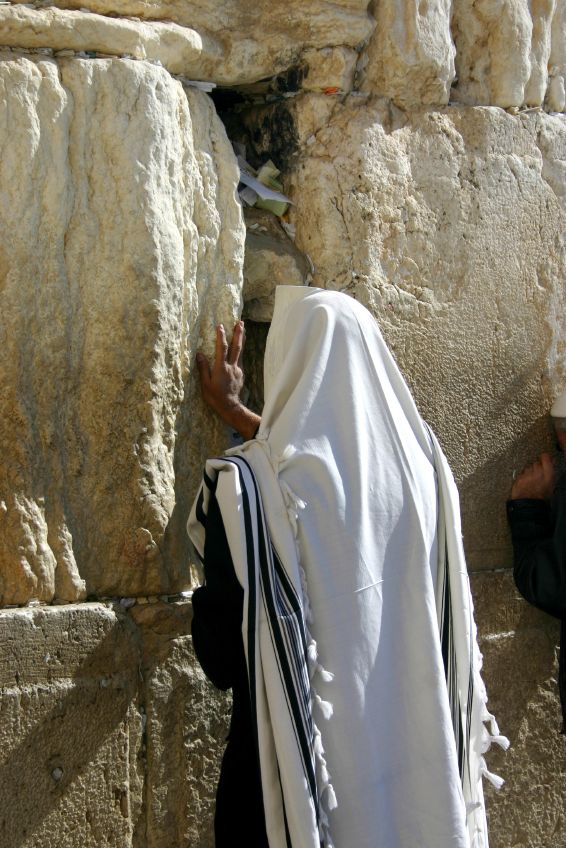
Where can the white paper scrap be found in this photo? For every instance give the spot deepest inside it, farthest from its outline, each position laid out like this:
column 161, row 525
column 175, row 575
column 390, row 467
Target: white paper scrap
column 264, row 192
column 202, row 85
column 249, row 196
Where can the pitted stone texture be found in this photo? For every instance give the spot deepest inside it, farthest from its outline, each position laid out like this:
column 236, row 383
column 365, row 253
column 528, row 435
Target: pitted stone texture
column 556, row 93
column 510, row 53
column 187, row 724
column 271, row 260
column 410, row 56
column 450, row 227
column 229, row 43
column 125, row 247
column 329, row 68
column 519, row 646
column 70, row 729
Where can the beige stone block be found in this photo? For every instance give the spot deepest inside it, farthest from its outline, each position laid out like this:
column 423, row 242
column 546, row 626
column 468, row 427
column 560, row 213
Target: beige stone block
column 70, row 729
column 122, row 246
column 329, row 68
column 410, row 56
column 271, row 260
column 229, row 43
column 179, row 49
column 187, row 724
column 556, row 96
column 449, row 225
column 519, row 646
column 505, row 52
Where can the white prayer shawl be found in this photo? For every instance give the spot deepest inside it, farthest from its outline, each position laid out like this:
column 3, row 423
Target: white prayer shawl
column 358, row 621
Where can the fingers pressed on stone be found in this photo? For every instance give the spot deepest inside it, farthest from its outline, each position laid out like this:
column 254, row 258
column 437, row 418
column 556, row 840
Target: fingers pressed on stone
column 221, row 345
column 236, row 345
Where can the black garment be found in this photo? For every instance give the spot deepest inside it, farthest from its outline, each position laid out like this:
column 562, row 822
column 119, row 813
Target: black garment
column 217, row 640
column 538, row 531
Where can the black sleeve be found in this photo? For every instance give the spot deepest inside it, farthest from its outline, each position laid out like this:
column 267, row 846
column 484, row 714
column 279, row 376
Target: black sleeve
column 539, row 547
column 217, row 608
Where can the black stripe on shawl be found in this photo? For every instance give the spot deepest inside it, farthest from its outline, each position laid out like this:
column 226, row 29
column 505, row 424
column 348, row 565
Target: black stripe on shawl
column 461, row 737
column 199, row 510
column 252, row 600
column 292, row 661
column 295, row 646
column 449, row 659
column 210, row 483
column 283, row 630
column 289, row 601
column 288, row 842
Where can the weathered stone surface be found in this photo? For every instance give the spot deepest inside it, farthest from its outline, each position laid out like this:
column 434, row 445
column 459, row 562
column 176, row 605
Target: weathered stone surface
column 229, row 43
column 519, row 645
column 329, row 68
column 109, row 732
column 450, row 226
column 410, row 56
column 187, row 724
column 70, row 729
column 122, row 247
column 510, row 53
column 111, row 736
column 179, row 49
column 556, row 94
column 271, row 259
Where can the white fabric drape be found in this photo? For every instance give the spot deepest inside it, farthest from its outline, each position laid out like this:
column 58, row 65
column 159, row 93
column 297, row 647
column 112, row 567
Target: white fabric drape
column 370, row 544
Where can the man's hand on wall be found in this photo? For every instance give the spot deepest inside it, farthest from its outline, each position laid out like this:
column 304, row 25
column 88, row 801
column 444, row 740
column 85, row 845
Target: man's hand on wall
column 536, row 480
column 221, row 385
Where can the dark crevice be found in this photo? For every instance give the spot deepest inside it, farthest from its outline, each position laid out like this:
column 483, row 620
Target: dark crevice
column 260, row 116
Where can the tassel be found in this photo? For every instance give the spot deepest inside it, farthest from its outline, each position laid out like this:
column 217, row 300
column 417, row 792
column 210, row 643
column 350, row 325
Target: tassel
column 318, row 749
column 325, row 707
column 327, row 676
column 494, row 779
column 331, row 801
column 502, row 741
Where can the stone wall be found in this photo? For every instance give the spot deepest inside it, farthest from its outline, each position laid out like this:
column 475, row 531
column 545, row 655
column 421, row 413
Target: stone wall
column 110, row 733
column 424, row 148
column 123, row 244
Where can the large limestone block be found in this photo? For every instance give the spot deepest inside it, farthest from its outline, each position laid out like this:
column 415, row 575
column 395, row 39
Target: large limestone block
column 122, row 245
column 228, row 43
column 70, row 729
column 519, row 646
column 556, row 93
column 110, row 735
column 450, row 226
column 510, row 53
column 410, row 56
column 271, row 260
column 187, row 725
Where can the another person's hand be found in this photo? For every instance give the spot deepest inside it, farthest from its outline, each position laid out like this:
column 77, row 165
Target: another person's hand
column 221, row 385
column 536, row 480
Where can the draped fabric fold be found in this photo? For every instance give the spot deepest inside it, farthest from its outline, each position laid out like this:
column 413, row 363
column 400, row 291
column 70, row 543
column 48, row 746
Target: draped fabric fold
column 343, row 524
